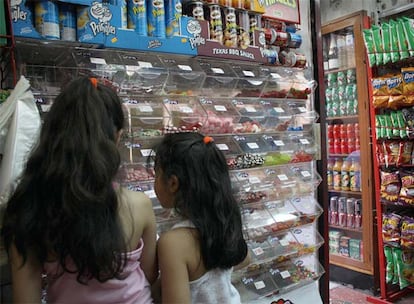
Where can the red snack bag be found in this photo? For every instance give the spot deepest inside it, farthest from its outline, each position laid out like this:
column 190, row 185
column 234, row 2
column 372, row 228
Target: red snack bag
column 390, row 186
column 407, row 187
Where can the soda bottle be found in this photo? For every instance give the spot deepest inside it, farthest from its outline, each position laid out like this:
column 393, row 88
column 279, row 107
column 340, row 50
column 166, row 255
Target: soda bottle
column 355, row 175
column 345, row 175
column 329, row 173
column 337, row 174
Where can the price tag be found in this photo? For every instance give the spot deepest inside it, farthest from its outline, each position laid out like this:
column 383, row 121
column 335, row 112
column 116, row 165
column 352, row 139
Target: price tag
column 222, row 147
column 146, row 152
column 258, row 251
column 275, row 75
column 305, row 174
column 278, row 110
column 45, row 107
column 220, row 108
column 285, row 274
column 250, row 109
column 279, row 143
column 145, row 108
column 186, row 109
column 150, row 193
column 144, row 64
column 184, row 67
column 259, row 285
column 302, row 109
column 132, row 68
column 217, row 71
column 97, row 60
column 253, row 145
column 284, row 242
column 254, row 180
column 304, row 141
column 282, row 177
column 248, row 73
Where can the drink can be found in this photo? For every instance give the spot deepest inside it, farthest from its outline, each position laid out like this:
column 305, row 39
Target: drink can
column 156, row 18
column 342, row 211
column 67, row 22
column 270, row 35
column 137, row 16
column 350, row 212
column 295, row 40
column 341, row 78
column 173, row 12
column 271, row 55
column 216, row 23
column 358, row 213
column 230, row 27
column 333, row 210
column 47, row 19
column 282, row 39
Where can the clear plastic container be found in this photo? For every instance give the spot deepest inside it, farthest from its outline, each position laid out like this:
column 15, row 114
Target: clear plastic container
column 251, row 79
column 220, row 79
column 307, row 207
column 309, row 239
column 252, row 116
column 284, row 214
column 222, row 117
column 257, row 220
column 251, row 143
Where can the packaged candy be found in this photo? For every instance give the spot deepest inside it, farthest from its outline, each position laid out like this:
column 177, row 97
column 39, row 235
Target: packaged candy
column 390, row 186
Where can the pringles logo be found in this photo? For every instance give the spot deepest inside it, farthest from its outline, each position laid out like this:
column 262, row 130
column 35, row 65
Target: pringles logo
column 103, row 14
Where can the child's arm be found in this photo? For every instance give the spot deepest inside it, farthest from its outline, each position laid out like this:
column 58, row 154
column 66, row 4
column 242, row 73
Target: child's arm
column 172, row 250
column 149, row 254
column 26, row 279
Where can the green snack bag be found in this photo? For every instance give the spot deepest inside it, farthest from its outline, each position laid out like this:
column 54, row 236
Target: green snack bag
column 395, row 55
column 379, row 49
column 409, row 33
column 386, row 42
column 381, row 123
column 402, row 125
column 369, row 45
column 404, row 259
column 389, row 272
column 402, row 42
column 388, row 125
column 395, row 127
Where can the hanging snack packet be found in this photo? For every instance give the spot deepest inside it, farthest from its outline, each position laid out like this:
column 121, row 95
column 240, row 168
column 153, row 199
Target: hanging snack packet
column 386, row 42
column 389, row 264
column 406, row 148
column 402, row 124
column 409, row 33
column 404, row 259
column 408, row 114
column 395, row 55
column 390, row 186
column 395, row 90
column 407, row 187
column 407, row 75
column 402, row 45
column 394, row 122
column 391, row 228
column 379, row 149
column 388, row 125
column 379, row 92
column 379, row 49
column 407, row 232
column 369, row 45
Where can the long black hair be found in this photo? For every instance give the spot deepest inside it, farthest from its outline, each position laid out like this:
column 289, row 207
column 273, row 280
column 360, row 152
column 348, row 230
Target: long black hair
column 204, row 196
column 65, row 204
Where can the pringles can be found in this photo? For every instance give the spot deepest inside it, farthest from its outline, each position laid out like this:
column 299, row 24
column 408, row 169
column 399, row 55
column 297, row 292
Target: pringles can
column 82, row 20
column 137, row 16
column 230, row 27
column 156, row 18
column 243, row 22
column 67, row 22
column 173, row 12
column 47, row 19
column 255, row 24
column 195, row 9
column 216, row 23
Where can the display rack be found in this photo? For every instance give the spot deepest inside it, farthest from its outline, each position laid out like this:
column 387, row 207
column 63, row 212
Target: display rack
column 8, row 73
column 395, row 210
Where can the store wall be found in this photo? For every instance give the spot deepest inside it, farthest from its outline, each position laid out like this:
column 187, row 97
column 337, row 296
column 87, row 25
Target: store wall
column 333, row 9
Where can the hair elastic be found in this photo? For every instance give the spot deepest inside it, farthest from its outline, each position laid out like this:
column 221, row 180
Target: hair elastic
column 94, row 82
column 208, row 139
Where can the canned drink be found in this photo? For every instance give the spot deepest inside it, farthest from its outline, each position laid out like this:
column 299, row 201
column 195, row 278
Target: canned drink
column 243, row 23
column 282, row 39
column 271, row 55
column 358, row 213
column 270, row 35
column 295, row 40
column 156, row 18
column 350, row 212
column 216, row 23
column 195, row 10
column 342, row 211
column 137, row 16
column 67, row 22
column 173, row 12
column 230, row 27
column 47, row 19
column 333, row 210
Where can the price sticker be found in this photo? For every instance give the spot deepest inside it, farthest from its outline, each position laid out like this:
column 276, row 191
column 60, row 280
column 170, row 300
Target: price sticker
column 146, row 152
column 150, row 193
column 217, row 71
column 259, row 285
column 304, row 141
column 284, row 243
column 305, row 173
column 98, row 60
column 275, row 75
column 279, row 143
column 220, row 108
column 282, row 177
column 285, row 274
column 186, row 109
column 254, row 180
column 145, row 109
column 253, row 145
column 132, row 68
column 258, row 251
column 302, row 109
column 278, row 110
column 250, row 109
column 185, row 67
column 222, row 147
column 145, row 64
column 248, row 73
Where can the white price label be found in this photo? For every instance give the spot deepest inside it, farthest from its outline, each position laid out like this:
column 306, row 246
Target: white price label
column 186, row 109
column 145, row 109
column 45, row 107
column 132, row 68
column 259, row 285
column 250, row 109
column 222, row 147
column 284, row 243
column 98, row 60
column 220, row 108
column 248, row 73
column 278, row 110
column 305, row 173
column 254, row 180
column 184, row 67
column 258, row 251
column 285, row 274
column 304, row 141
column 282, row 177
column 217, row 71
column 146, row 152
column 275, row 75
column 278, row 142
column 302, row 109
column 144, row 64
column 253, row 145
column 150, row 193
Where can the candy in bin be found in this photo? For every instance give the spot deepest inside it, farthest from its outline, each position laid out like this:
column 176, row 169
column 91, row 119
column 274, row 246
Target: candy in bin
column 247, row 160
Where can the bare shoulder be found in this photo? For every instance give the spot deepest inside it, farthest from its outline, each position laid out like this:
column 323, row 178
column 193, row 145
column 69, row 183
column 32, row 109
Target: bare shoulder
column 180, row 240
column 137, row 200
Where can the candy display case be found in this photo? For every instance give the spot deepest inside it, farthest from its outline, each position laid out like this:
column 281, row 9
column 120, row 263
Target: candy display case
column 251, row 143
column 220, row 79
column 251, row 79
column 100, row 63
column 186, row 113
